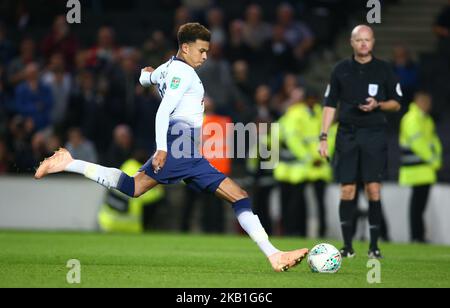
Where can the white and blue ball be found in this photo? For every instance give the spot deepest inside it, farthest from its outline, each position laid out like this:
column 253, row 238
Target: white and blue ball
column 324, row 258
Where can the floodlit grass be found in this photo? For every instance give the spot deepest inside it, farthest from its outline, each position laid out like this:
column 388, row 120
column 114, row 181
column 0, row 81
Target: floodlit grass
column 39, row 259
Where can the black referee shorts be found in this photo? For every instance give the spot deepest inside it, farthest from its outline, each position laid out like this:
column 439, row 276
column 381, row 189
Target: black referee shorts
column 361, row 154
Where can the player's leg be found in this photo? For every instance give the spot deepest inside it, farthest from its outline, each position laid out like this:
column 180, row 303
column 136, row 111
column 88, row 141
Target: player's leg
column 347, row 160
column 373, row 195
column 319, row 192
column 347, row 208
column 110, row 178
column 417, row 207
column 373, row 169
column 280, row 261
column 143, row 183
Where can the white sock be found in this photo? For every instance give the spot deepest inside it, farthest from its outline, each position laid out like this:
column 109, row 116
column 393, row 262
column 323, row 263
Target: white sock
column 251, row 224
column 108, row 177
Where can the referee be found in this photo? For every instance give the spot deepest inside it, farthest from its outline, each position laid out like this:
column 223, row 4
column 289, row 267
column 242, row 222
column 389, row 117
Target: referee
column 365, row 87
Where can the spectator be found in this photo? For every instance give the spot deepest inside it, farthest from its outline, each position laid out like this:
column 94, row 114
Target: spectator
column 81, row 61
column 147, row 103
column 263, row 97
column 6, row 48
column 155, row 48
column 278, row 54
column 255, row 31
column 105, row 52
column 60, row 40
column 241, row 76
column 237, row 48
column 39, row 147
column 60, row 83
column 290, row 173
column 420, row 160
column 442, row 30
column 244, row 89
column 23, row 16
column 108, row 111
column 80, row 147
column 16, row 69
column 217, row 78
column 216, row 26
column 121, row 148
column 319, row 172
column 34, row 99
column 182, row 16
column 53, row 143
column 84, row 105
column 281, row 99
column 42, row 146
column 407, row 72
column 19, row 141
column 197, row 7
column 296, row 33
column 123, row 80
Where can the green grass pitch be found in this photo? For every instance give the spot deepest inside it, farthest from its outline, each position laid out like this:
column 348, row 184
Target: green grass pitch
column 39, row 259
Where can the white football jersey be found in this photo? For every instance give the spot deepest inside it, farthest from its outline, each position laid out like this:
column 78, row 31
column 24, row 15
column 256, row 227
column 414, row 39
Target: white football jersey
column 182, row 95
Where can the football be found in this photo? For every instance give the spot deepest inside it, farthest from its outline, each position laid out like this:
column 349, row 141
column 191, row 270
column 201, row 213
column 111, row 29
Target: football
column 324, row 258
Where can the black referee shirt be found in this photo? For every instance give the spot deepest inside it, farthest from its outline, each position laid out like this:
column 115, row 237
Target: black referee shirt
column 352, row 82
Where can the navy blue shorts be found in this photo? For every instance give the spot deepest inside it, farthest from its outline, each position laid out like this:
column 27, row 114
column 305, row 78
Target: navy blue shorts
column 194, row 170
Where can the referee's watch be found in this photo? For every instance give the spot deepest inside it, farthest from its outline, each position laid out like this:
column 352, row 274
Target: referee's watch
column 323, row 137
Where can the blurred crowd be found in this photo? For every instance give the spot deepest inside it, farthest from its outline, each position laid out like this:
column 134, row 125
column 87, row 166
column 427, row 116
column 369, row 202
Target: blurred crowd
column 76, row 86
column 56, row 89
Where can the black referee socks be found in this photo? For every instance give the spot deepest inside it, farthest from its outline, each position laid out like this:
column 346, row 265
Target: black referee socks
column 346, row 213
column 374, row 223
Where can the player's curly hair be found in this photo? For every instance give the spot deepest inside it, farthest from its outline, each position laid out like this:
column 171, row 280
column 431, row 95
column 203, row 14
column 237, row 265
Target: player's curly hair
column 190, row 32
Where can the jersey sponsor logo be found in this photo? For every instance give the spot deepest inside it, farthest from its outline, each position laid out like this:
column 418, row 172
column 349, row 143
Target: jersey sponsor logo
column 399, row 89
column 327, row 91
column 175, row 83
column 373, row 89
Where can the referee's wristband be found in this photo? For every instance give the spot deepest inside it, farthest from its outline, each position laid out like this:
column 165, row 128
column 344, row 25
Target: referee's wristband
column 323, row 137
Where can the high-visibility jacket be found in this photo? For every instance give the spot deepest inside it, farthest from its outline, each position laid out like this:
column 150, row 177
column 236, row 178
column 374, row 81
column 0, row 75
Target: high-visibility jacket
column 263, row 157
column 311, row 123
column 299, row 145
column 421, row 148
column 121, row 213
column 214, row 140
column 332, row 133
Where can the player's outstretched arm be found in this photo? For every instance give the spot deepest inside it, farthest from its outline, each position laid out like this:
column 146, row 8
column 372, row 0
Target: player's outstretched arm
column 145, row 78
